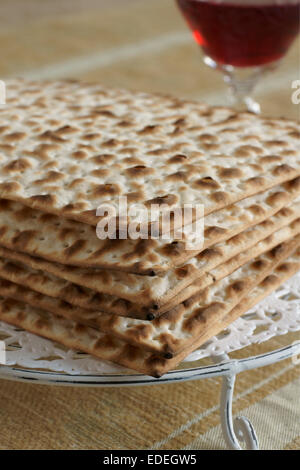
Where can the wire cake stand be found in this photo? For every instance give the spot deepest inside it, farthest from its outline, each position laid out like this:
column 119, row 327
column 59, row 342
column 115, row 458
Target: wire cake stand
column 31, row 358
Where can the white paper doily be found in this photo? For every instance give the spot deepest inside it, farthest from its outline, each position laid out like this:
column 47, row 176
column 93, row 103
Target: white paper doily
column 276, row 315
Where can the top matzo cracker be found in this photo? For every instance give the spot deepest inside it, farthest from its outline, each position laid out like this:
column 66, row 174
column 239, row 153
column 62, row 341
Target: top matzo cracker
column 68, row 147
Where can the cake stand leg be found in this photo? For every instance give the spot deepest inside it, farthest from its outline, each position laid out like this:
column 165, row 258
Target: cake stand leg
column 240, row 429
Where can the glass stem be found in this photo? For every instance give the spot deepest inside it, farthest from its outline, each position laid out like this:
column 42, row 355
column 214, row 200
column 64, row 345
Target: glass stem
column 241, row 90
column 242, row 82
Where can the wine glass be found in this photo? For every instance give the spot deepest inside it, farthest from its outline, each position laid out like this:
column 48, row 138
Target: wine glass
column 244, row 39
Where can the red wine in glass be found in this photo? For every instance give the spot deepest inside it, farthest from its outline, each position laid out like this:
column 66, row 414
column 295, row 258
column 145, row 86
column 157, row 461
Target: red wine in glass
column 242, row 33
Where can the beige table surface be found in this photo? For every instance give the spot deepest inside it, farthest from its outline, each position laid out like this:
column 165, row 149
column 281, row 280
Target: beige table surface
column 144, row 45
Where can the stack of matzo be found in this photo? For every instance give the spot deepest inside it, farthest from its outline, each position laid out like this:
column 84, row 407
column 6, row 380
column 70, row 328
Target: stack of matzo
column 68, row 147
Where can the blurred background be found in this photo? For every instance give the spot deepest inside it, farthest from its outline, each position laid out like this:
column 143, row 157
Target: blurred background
column 138, row 44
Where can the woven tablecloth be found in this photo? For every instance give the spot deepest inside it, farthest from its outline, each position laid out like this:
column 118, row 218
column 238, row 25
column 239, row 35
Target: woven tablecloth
column 143, row 45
